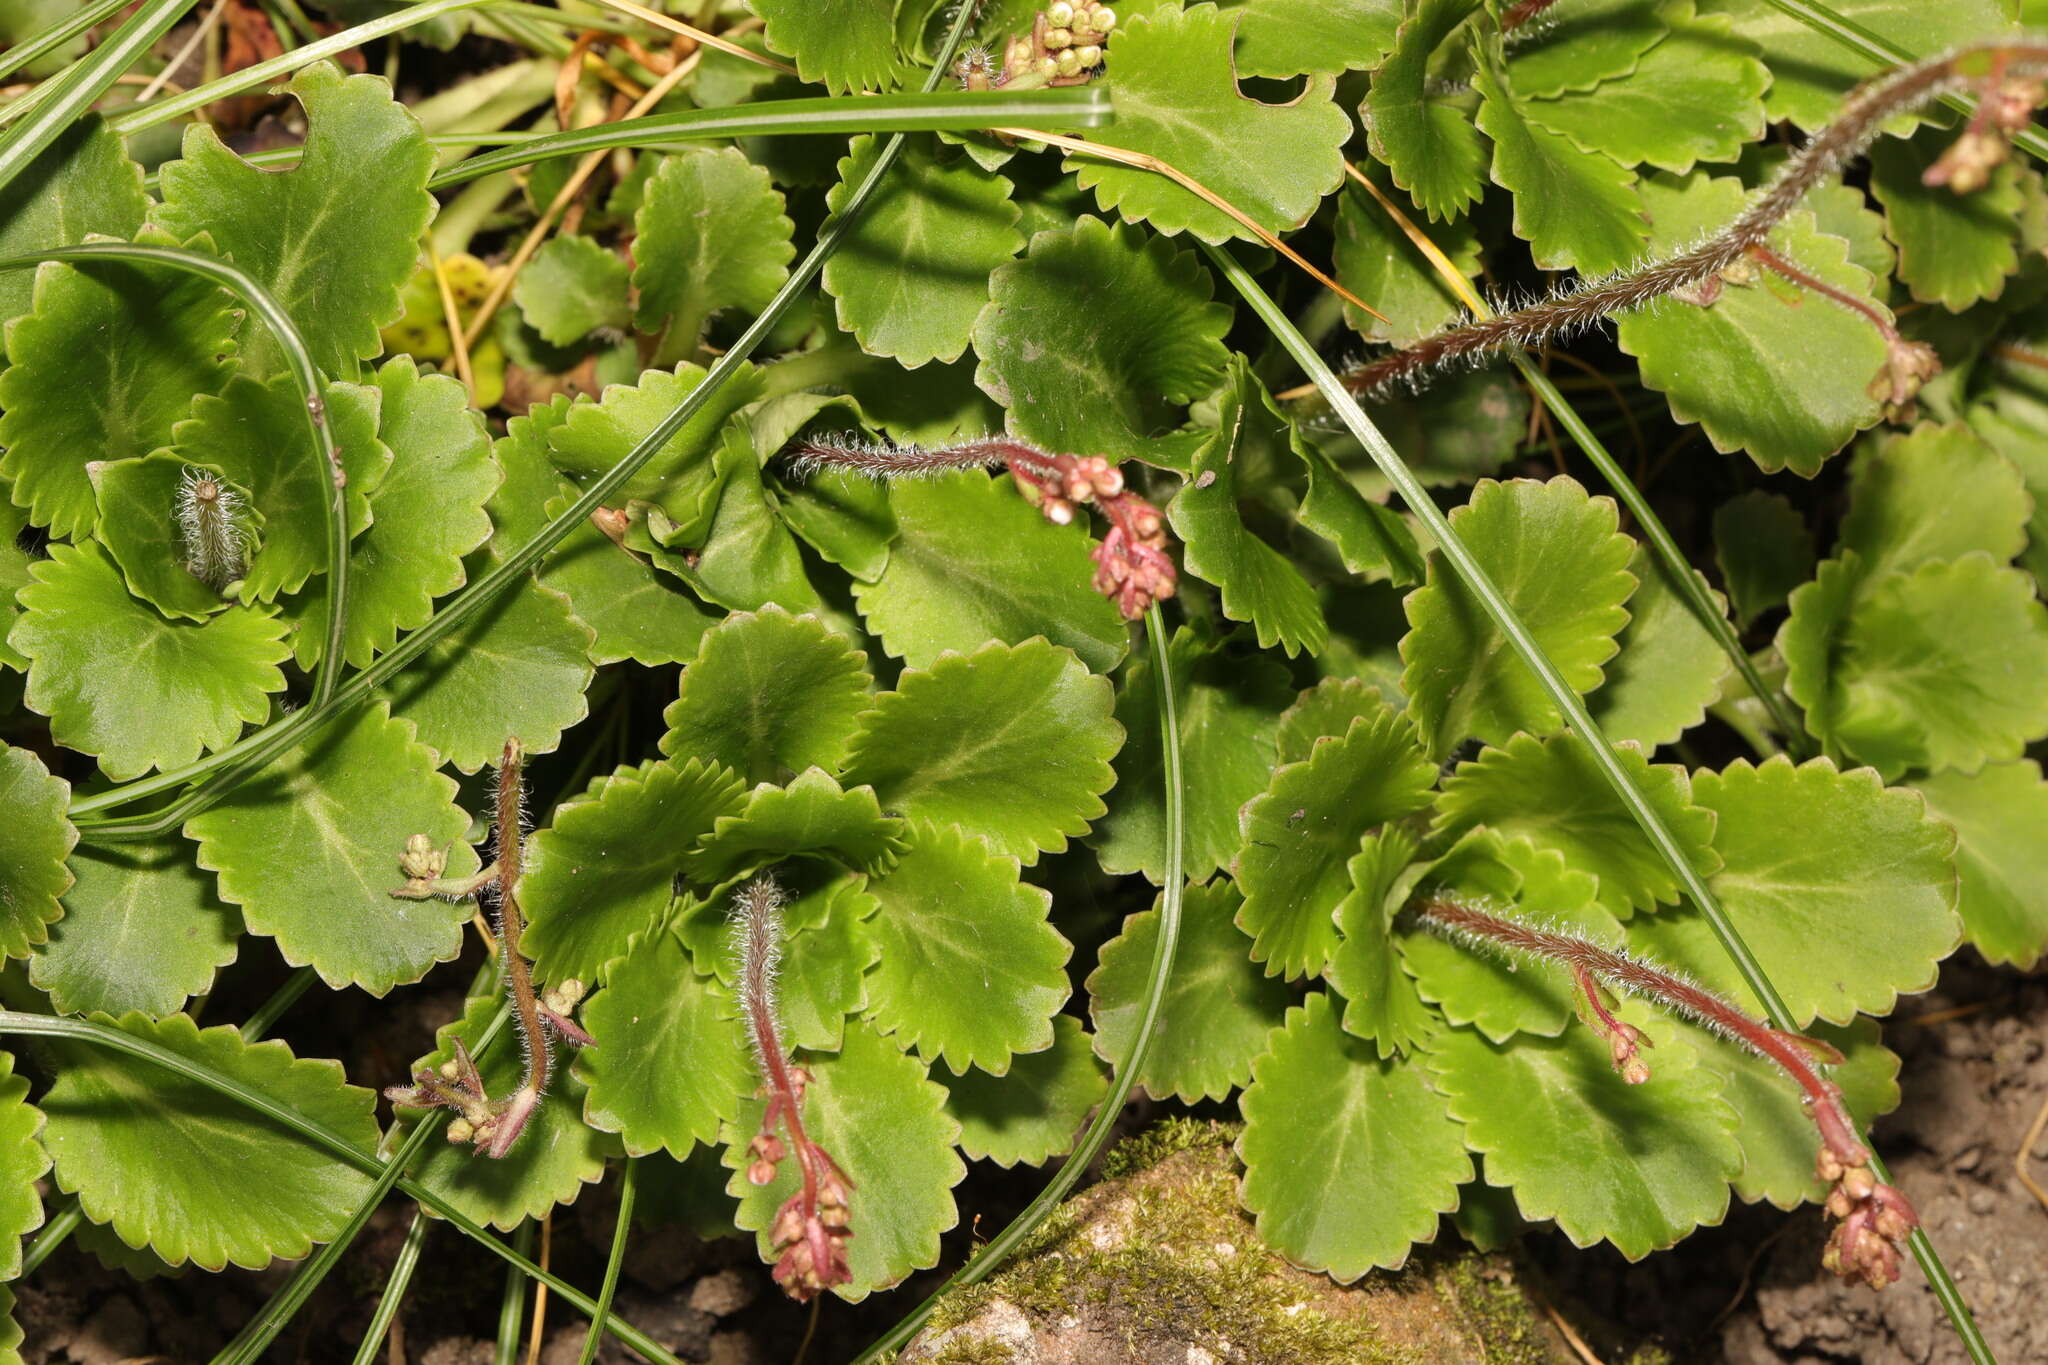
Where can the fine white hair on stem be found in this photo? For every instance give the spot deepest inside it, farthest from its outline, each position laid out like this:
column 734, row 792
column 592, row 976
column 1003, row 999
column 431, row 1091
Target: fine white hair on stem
column 757, row 942
column 211, row 522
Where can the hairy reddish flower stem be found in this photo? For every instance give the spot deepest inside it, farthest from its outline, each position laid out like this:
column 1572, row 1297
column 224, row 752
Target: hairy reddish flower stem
column 495, row 1125
column 1514, row 16
column 811, row 1228
column 1862, row 117
column 1876, row 1218
column 1132, row 567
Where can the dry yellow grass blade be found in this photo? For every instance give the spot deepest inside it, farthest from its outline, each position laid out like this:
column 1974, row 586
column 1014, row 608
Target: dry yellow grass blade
column 663, row 21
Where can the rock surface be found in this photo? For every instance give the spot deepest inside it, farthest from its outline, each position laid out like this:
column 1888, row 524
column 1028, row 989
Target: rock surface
column 1157, row 1265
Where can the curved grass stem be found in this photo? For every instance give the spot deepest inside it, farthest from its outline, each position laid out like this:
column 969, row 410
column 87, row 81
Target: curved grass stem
column 1503, row 616
column 627, row 1176
column 372, row 1344
column 60, row 101
column 56, row 36
column 992, row 1256
column 313, row 404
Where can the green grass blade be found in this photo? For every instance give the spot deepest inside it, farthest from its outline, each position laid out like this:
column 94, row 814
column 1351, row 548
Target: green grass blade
column 72, row 94
column 394, row 1290
column 1080, row 106
column 56, row 35
column 620, row 1232
column 1646, row 817
column 512, row 1307
column 997, row 1251
column 312, row 389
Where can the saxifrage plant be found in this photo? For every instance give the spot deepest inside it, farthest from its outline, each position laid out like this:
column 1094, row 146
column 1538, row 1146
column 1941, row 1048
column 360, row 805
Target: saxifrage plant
column 318, row 513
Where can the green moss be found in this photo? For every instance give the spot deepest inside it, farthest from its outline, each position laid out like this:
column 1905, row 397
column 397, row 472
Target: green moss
column 1162, row 1140
column 1496, row 1310
column 1175, row 1281
column 974, row 1353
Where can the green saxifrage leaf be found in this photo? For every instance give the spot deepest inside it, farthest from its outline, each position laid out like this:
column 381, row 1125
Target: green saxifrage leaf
column 36, row 840
column 768, row 695
column 333, row 238
column 82, row 183
column 123, row 1133
column 710, row 235
column 22, row 1163
column 142, row 930
column 1011, row 743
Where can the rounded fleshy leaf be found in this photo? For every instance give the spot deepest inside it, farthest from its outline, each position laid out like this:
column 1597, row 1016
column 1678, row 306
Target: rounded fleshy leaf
column 1425, row 139
column 1932, row 669
column 193, row 1175
column 142, row 930
column 1177, row 99
column 1767, row 367
column 971, row 970
column 571, row 287
column 1229, row 707
column 1552, row 792
column 1328, row 708
column 1218, row 1008
column 181, row 688
column 710, row 234
column 254, row 436
column 1259, row 584
column 1669, row 667
column 1095, row 337
column 427, row 513
column 1937, row 492
column 1554, row 553
column 846, row 45
column 1954, row 249
column 682, row 478
column 22, row 1163
column 1698, row 95
column 308, row 847
column 37, row 838
column 637, row 612
column 913, row 275
column 1301, row 833
column 974, row 562
column 1998, row 814
column 1577, row 210
column 672, row 1060
column 1294, row 37
column 332, row 239
column 517, row 668
column 101, row 370
column 601, row 873
column 1349, row 1159
column 1011, row 743
column 1812, row 72
column 82, row 183
column 1879, row 890
column 811, row 816
column 1581, row 44
column 1375, row 260
column 1381, row 1000
column 1764, row 550
column 1637, row 1166
column 556, row 1156
column 768, row 694
column 884, row 1122
column 1035, row 1112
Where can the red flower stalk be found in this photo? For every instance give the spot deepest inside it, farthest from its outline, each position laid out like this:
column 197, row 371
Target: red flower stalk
column 1132, row 567
column 1875, row 1218
column 812, row 1227
column 494, row 1125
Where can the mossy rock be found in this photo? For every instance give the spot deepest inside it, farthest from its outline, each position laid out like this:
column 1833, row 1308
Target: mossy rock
column 1159, row 1264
